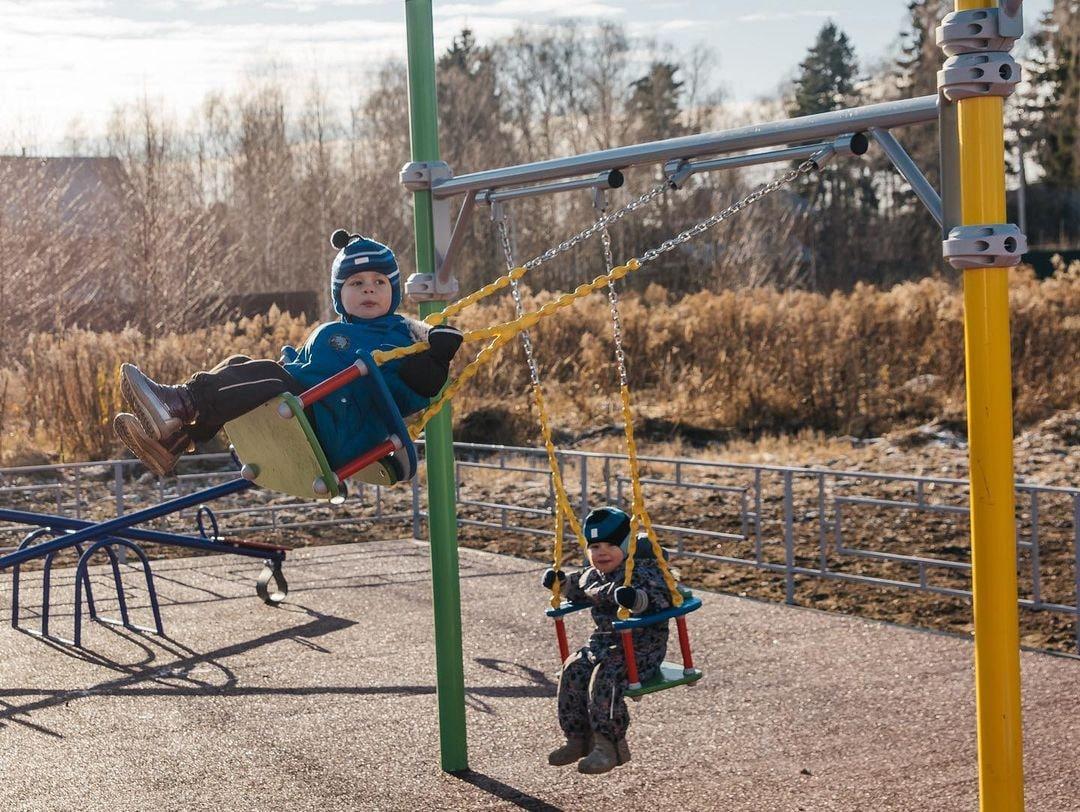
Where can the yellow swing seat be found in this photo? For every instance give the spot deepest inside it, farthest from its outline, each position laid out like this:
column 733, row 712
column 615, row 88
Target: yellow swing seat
column 277, row 447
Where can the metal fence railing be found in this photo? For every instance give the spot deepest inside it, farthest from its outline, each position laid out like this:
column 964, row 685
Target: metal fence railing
column 888, row 530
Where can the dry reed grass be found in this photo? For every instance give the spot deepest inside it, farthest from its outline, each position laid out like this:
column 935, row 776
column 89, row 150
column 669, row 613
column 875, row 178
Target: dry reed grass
column 740, row 362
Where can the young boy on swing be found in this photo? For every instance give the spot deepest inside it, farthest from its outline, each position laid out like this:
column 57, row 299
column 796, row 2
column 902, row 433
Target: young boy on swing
column 592, row 711
column 167, row 420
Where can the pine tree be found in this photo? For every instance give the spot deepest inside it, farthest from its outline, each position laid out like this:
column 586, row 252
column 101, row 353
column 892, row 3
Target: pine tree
column 826, row 82
column 826, row 79
column 920, row 58
column 1055, row 108
column 654, row 102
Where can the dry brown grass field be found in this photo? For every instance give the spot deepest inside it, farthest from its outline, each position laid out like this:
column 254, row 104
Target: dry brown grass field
column 709, row 365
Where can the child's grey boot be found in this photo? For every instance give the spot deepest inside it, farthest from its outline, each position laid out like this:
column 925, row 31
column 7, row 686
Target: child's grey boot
column 570, row 752
column 603, row 757
column 622, row 752
column 162, row 410
column 159, row 457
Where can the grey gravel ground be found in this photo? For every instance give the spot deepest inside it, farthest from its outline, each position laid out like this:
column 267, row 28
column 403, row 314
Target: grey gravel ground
column 328, row 703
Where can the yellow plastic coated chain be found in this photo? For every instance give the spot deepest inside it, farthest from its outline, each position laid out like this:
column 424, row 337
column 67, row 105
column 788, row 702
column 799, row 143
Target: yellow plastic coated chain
column 501, row 334
column 563, row 508
column 639, row 516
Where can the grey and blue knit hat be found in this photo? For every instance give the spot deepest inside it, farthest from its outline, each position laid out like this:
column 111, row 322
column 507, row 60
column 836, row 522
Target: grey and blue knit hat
column 609, row 525
column 358, row 254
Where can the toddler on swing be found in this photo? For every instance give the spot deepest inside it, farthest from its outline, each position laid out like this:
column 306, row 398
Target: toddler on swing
column 168, row 420
column 592, row 711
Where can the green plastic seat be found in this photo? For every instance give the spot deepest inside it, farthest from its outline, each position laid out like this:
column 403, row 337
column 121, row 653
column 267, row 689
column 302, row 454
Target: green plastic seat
column 284, row 454
column 669, row 676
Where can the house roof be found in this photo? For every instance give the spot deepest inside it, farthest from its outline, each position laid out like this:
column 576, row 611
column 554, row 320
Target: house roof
column 84, row 196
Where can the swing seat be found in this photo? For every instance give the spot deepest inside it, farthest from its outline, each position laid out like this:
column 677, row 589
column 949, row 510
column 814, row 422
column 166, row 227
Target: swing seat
column 669, row 675
column 284, row 454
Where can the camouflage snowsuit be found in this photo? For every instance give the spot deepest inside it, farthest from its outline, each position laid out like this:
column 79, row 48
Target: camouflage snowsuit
column 594, row 678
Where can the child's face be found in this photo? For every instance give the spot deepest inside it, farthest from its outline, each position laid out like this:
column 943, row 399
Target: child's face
column 367, row 295
column 605, row 557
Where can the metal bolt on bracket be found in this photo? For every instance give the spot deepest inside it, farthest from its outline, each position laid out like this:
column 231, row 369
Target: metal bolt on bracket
column 980, row 74
column 424, row 287
column 418, row 176
column 987, row 246
column 978, row 30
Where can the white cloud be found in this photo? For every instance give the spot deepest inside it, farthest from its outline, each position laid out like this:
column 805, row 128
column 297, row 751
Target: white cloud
column 501, row 8
column 773, row 16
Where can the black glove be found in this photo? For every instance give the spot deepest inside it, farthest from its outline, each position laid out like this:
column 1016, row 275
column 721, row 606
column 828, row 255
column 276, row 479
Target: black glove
column 626, row 597
column 427, row 371
column 444, row 341
column 547, row 580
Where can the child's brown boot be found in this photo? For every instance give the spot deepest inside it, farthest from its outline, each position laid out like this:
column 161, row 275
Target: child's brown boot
column 163, row 410
column 570, row 752
column 603, row 757
column 622, row 752
column 159, row 457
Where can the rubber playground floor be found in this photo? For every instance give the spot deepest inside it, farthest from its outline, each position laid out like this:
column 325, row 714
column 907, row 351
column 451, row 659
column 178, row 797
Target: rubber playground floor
column 328, row 703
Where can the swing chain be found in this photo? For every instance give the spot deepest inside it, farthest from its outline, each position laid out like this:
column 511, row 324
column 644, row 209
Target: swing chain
column 599, row 225
column 805, row 168
column 613, row 300
column 519, row 308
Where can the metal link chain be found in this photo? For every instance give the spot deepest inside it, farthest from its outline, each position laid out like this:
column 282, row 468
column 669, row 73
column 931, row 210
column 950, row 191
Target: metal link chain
column 599, row 225
column 613, row 300
column 804, row 168
column 526, row 341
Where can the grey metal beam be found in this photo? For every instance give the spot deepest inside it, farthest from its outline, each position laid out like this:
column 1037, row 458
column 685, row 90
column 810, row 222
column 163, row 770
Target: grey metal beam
column 806, row 128
column 896, row 153
column 611, row 179
column 848, row 144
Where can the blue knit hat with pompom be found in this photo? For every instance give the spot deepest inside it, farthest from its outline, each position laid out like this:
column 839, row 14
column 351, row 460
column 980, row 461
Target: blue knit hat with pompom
column 358, row 254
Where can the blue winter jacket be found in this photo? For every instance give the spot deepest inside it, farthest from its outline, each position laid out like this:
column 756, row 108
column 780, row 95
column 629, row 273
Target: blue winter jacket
column 347, row 422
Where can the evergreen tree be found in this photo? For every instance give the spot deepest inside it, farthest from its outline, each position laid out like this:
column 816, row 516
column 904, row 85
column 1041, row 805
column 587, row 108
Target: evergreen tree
column 1055, row 107
column 920, row 58
column 654, row 102
column 826, row 79
column 469, row 104
column 834, row 205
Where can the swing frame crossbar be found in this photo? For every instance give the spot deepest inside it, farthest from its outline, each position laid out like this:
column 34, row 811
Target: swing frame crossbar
column 839, row 132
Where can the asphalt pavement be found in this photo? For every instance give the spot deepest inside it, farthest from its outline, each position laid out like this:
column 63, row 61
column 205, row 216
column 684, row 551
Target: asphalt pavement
column 328, row 702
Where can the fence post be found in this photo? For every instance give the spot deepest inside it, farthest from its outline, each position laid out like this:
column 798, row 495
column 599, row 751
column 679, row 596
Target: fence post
column 118, row 494
column 1076, row 569
column 584, row 467
column 416, row 507
column 789, row 541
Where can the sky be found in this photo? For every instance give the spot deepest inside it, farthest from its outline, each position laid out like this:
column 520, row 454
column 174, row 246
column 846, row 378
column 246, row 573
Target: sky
column 62, row 60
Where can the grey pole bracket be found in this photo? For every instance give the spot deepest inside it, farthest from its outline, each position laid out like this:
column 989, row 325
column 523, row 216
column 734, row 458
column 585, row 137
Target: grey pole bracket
column 988, row 246
column 994, row 73
column 424, row 287
column 419, row 176
column 979, row 30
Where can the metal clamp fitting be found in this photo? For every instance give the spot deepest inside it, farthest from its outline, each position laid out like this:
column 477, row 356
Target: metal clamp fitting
column 979, row 30
column 987, row 74
column 990, row 246
column 418, row 176
column 424, row 287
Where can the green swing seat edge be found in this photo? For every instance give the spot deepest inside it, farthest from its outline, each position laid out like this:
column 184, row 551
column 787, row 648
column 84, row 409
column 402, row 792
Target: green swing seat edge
column 285, row 454
column 670, row 675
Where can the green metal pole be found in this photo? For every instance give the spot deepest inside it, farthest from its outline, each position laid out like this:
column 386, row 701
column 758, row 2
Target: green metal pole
column 439, row 441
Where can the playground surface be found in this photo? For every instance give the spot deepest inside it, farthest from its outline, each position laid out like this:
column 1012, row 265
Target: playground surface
column 328, row 702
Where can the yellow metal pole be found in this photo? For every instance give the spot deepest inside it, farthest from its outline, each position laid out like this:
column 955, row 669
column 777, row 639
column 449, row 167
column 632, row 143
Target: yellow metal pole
column 989, row 410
